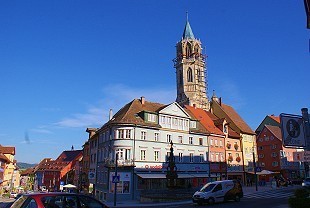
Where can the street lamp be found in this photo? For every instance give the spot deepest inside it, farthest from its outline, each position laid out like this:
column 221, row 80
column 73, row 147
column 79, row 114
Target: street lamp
column 254, row 166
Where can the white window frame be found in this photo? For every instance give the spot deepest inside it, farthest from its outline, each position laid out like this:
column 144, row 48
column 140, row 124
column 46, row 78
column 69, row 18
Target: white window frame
column 190, row 140
column 156, row 155
column 143, row 135
column 143, row 155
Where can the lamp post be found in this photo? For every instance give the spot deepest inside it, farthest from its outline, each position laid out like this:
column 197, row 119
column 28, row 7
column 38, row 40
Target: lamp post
column 254, row 166
column 115, row 184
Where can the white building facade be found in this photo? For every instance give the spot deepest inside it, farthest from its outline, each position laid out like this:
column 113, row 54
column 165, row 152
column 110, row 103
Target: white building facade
column 141, row 134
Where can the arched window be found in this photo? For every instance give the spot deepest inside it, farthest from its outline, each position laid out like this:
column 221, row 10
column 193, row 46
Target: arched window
column 188, row 50
column 196, row 49
column 189, row 75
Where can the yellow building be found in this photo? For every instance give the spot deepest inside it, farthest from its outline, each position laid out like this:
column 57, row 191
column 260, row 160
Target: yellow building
column 247, row 135
column 10, row 174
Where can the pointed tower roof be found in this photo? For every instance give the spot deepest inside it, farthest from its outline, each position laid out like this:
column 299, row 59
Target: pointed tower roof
column 188, row 33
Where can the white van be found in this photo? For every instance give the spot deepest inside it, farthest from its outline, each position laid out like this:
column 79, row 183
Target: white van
column 218, row 191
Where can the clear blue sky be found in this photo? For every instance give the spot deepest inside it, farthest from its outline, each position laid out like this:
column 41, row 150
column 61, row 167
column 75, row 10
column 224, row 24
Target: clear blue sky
column 64, row 64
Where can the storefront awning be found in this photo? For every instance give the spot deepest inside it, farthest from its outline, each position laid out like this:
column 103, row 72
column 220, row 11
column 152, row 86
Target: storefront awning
column 152, row 175
column 180, row 175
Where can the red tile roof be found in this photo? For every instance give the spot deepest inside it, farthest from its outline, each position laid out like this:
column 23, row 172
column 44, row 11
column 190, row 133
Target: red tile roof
column 276, row 118
column 131, row 113
column 204, row 119
column 235, row 117
column 218, row 122
column 7, row 150
column 3, row 158
column 275, row 130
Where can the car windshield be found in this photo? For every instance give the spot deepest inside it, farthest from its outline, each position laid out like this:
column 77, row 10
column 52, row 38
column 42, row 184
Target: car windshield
column 208, row 187
column 19, row 202
column 307, row 180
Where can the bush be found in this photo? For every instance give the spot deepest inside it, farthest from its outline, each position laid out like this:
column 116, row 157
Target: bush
column 300, row 199
column 301, row 193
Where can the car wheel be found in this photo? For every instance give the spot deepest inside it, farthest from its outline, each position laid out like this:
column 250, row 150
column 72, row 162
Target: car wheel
column 237, row 198
column 211, row 201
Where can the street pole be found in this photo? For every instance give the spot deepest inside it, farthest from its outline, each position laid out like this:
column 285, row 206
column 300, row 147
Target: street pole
column 305, row 117
column 115, row 184
column 254, row 166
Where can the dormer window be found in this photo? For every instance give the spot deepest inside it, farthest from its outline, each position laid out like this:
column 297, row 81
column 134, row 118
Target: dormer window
column 193, row 124
column 151, row 117
column 225, row 128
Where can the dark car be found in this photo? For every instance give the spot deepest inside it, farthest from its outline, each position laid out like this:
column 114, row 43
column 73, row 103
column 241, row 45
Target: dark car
column 56, row 200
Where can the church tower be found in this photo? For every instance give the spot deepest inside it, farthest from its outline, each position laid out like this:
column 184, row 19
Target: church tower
column 190, row 65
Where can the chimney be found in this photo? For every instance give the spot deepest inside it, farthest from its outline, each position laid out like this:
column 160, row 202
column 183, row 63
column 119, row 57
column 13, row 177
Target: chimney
column 142, row 100
column 194, row 105
column 110, row 114
column 220, row 101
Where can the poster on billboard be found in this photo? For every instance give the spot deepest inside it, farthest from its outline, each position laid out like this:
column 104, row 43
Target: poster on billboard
column 293, row 131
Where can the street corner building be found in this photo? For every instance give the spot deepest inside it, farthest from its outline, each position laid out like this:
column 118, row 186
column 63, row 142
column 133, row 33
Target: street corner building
column 207, row 138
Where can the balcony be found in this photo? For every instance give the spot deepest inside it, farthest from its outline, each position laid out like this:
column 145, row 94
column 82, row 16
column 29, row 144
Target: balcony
column 120, row 163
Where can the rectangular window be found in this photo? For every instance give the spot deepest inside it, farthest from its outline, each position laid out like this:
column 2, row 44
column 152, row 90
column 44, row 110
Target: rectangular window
column 274, row 163
column 190, row 140
column 212, row 157
column 169, row 120
column 156, row 137
column 191, row 157
column 142, row 154
column 261, row 155
column 211, row 142
column 167, row 156
column 180, row 139
column 201, row 158
column 128, row 133
column 143, row 135
column 217, row 157
column 274, row 146
column 215, row 142
column 120, row 133
column 168, row 138
column 151, row 117
column 163, row 119
column 260, row 148
column 274, row 154
column 127, row 154
column 200, row 141
column 180, row 157
column 156, row 155
column 221, row 143
column 193, row 124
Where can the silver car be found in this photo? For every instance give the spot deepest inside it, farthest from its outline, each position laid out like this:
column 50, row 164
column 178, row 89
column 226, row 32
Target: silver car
column 306, row 183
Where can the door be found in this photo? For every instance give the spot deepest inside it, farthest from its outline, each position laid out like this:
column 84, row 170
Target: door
column 218, row 193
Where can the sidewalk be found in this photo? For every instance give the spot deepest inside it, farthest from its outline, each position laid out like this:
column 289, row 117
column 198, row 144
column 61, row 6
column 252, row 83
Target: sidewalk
column 136, row 203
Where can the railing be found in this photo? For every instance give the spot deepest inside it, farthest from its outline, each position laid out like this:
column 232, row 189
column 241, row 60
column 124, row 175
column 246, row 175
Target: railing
column 120, row 162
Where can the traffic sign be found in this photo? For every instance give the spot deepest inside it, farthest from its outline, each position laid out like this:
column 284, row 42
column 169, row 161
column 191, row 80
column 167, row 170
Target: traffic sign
column 293, row 133
column 115, row 179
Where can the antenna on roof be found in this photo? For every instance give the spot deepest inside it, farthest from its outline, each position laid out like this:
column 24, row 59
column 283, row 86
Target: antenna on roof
column 72, row 148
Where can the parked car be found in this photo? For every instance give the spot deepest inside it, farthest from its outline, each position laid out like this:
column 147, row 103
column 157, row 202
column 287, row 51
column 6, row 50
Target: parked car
column 56, row 200
column 306, row 183
column 13, row 194
column 219, row 191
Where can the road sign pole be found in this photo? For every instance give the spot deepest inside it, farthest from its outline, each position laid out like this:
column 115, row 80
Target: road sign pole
column 305, row 116
column 254, row 166
column 115, row 184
